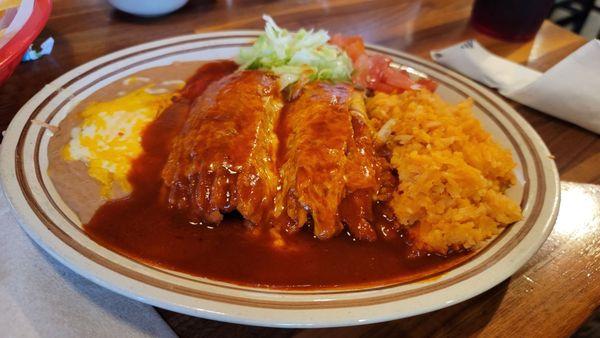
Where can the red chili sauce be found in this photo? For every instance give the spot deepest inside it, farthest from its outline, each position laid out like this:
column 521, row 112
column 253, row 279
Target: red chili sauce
column 142, row 227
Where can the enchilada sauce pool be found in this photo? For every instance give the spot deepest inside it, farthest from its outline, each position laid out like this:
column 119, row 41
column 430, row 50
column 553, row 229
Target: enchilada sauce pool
column 143, row 228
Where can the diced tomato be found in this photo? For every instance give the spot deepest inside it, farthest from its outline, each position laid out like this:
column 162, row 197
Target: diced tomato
column 428, row 84
column 362, row 68
column 379, row 64
column 368, row 69
column 352, row 45
column 373, row 71
column 397, row 79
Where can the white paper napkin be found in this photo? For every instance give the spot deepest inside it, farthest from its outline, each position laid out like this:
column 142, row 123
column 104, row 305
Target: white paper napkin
column 570, row 90
column 39, row 297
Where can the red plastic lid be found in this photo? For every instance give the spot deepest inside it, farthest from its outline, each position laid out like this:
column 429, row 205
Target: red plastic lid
column 12, row 52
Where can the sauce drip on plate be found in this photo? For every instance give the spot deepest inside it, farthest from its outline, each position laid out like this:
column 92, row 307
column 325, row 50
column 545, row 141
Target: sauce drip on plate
column 143, row 228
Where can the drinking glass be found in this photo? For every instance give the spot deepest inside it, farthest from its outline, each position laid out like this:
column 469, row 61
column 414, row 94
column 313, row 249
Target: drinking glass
column 511, row 20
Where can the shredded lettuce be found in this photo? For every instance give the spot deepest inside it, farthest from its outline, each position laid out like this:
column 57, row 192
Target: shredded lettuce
column 296, row 55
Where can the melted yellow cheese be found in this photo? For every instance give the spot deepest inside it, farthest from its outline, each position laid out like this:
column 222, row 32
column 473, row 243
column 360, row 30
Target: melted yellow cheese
column 109, row 137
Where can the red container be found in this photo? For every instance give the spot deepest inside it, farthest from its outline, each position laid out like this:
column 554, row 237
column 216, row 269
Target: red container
column 12, row 52
column 511, row 20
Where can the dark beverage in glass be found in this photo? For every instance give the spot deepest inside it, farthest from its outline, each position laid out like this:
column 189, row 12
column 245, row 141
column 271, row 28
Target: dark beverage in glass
column 512, row 20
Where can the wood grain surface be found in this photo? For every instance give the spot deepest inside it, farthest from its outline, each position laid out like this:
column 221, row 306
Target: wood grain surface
column 550, row 296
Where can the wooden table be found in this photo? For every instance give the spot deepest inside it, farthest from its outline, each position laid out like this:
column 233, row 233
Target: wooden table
column 550, row 296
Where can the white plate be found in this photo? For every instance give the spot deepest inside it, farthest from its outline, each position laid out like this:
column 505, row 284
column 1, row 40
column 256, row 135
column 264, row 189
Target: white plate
column 54, row 227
